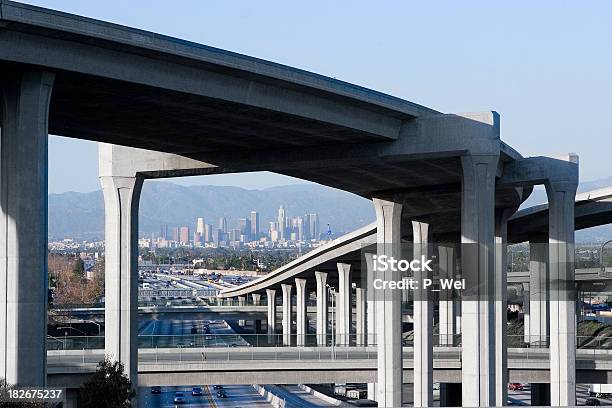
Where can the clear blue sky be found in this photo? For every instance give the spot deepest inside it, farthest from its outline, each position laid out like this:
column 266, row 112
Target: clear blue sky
column 545, row 66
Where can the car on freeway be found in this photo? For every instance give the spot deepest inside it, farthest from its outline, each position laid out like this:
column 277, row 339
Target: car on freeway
column 221, row 394
column 218, row 387
column 179, row 398
column 197, row 391
column 156, row 389
column 515, row 387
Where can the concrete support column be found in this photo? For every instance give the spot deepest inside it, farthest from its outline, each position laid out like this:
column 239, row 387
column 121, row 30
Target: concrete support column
column 538, row 292
column 256, row 299
column 287, row 321
column 271, row 326
column 501, row 304
column 360, row 315
column 241, row 303
column 526, row 312
column 540, row 394
column 561, row 196
column 23, row 226
column 478, row 370
column 423, row 323
column 322, row 316
column 388, row 307
column 371, row 317
column 343, row 305
column 447, row 270
column 301, row 327
column 450, row 394
column 121, row 199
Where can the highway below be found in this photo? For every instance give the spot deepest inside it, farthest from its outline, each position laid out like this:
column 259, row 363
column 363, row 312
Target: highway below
column 237, row 396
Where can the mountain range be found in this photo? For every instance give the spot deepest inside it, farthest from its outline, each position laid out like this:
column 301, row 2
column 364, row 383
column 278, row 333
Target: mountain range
column 81, row 215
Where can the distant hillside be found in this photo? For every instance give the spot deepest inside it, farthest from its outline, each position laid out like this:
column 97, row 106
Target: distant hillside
column 81, row 215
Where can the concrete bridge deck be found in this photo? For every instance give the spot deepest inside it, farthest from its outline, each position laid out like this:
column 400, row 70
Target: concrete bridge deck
column 290, row 365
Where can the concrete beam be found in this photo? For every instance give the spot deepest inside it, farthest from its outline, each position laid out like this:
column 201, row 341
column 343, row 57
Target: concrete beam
column 287, row 314
column 301, row 322
column 23, row 225
column 322, row 316
column 343, row 305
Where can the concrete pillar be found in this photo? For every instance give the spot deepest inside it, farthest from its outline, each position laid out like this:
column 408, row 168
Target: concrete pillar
column 526, row 312
column 72, row 398
column 23, row 226
column 343, row 305
column 501, row 304
column 423, row 323
column 301, row 327
column 322, row 316
column 241, row 303
column 287, row 321
column 478, row 268
column 371, row 317
column 256, row 299
column 360, row 315
column 271, row 326
column 121, row 199
column 447, row 310
column 450, row 394
column 561, row 196
column 538, row 292
column 388, row 307
column 540, row 394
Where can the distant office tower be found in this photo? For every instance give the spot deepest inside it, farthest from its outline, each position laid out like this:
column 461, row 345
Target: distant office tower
column 313, row 225
column 235, row 234
column 184, row 235
column 281, row 223
column 164, row 231
column 200, row 226
column 207, row 233
column 197, row 239
column 254, row 225
column 175, row 234
column 217, row 236
column 300, row 228
column 244, row 226
column 223, row 224
column 272, row 231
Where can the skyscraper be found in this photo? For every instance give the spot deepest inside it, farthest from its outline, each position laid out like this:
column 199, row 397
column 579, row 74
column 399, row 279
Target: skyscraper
column 164, row 231
column 281, row 223
column 313, row 225
column 184, row 235
column 254, row 225
column 223, row 224
column 300, row 228
column 244, row 226
column 175, row 234
column 200, row 226
column 207, row 233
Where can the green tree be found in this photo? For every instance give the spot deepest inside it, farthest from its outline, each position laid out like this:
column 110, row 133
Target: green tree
column 108, row 388
column 78, row 268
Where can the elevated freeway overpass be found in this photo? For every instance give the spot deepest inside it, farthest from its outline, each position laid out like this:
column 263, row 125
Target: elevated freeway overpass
column 165, row 107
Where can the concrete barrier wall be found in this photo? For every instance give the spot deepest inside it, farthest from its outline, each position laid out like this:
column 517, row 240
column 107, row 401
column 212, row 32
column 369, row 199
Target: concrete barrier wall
column 273, row 399
column 323, row 397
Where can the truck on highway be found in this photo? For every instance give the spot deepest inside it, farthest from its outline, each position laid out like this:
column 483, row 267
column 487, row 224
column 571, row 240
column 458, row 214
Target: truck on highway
column 600, row 390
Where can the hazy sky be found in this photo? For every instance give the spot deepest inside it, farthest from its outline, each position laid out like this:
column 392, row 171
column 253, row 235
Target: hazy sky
column 545, row 66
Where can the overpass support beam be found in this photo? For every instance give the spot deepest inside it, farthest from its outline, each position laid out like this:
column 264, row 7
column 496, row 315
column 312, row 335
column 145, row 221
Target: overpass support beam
column 271, row 326
column 256, row 299
column 388, row 307
column 478, row 370
column 501, row 304
column 561, row 197
column 447, row 309
column 423, row 323
column 343, row 305
column 322, row 316
column 121, row 198
column 360, row 315
column 241, row 303
column 526, row 312
column 287, row 319
column 300, row 290
column 23, row 226
column 538, row 292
